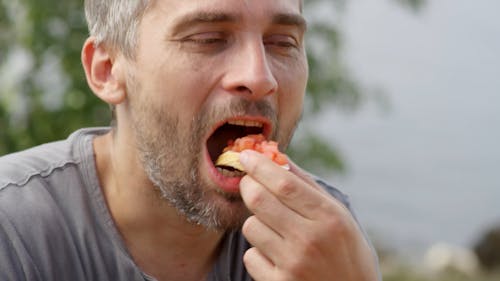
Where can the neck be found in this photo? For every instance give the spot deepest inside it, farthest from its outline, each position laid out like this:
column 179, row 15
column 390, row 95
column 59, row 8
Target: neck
column 161, row 241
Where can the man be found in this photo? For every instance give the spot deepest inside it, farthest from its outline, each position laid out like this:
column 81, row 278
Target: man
column 143, row 200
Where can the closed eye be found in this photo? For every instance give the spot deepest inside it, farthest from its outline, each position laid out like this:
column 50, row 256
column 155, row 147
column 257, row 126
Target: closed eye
column 207, row 38
column 285, row 41
column 205, row 42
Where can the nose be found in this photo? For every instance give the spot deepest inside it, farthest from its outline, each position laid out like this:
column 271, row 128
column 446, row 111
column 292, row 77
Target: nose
column 250, row 73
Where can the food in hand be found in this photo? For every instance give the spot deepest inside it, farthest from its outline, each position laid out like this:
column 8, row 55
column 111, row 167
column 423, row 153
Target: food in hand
column 230, row 155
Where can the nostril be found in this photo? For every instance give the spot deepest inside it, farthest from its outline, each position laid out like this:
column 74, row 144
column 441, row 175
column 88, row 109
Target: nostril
column 243, row 89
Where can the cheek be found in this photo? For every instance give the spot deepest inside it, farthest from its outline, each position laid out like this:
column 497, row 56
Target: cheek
column 181, row 86
column 291, row 100
column 292, row 91
column 290, row 108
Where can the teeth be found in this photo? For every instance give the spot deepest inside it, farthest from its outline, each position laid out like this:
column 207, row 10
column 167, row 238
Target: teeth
column 246, row 123
column 230, row 174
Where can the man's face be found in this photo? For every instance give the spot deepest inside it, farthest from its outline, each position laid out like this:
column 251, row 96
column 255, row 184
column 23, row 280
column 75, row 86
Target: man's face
column 206, row 72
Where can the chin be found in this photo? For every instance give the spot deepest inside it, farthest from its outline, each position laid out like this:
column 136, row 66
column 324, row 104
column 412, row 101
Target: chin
column 228, row 211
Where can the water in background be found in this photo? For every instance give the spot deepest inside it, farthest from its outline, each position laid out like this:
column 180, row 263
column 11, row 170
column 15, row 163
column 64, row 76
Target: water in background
column 428, row 170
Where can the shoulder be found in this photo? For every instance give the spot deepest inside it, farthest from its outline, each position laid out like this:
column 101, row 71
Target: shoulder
column 33, row 181
column 46, row 208
column 339, row 195
column 17, row 169
column 28, row 179
column 42, row 181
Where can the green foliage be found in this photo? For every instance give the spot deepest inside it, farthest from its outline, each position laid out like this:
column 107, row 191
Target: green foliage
column 51, row 99
column 329, row 80
column 330, row 86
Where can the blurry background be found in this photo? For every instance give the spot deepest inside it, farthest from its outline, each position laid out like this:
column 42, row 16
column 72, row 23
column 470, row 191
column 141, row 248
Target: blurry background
column 427, row 167
column 421, row 152
column 403, row 114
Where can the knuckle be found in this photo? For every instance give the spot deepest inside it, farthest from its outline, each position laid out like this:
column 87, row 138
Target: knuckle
column 336, row 226
column 293, row 270
column 255, row 199
column 286, row 188
column 310, row 247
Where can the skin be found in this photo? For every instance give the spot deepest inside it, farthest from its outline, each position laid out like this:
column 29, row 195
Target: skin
column 185, row 79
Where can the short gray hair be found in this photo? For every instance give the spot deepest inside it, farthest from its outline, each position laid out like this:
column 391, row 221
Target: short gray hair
column 114, row 22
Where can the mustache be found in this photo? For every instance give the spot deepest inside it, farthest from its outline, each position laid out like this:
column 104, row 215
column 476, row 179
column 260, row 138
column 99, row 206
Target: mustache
column 247, row 107
column 237, row 107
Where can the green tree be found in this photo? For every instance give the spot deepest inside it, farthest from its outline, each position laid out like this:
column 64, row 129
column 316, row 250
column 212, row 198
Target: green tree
column 44, row 95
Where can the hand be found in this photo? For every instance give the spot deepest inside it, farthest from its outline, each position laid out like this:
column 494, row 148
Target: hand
column 298, row 231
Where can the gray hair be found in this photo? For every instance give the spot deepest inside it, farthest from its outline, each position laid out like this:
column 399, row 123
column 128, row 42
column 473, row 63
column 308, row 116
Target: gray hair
column 115, row 22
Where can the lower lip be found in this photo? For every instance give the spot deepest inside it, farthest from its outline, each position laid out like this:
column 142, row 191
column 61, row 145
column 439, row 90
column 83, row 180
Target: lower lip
column 226, row 184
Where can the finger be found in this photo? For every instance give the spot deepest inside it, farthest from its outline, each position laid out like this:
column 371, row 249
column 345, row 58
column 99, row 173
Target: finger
column 267, row 208
column 263, row 238
column 290, row 189
column 258, row 265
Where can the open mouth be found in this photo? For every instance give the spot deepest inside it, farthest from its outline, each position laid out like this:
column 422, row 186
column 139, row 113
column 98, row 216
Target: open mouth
column 227, row 132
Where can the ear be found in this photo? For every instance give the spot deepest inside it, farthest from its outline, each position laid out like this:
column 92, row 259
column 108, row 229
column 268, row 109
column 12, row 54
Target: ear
column 104, row 75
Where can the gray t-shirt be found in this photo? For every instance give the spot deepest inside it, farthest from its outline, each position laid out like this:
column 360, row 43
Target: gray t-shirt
column 55, row 225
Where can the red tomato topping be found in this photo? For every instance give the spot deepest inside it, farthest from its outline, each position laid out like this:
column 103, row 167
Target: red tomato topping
column 259, row 144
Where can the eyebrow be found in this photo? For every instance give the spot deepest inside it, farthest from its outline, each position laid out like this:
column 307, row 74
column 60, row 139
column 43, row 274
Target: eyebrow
column 188, row 20
column 291, row 20
column 203, row 18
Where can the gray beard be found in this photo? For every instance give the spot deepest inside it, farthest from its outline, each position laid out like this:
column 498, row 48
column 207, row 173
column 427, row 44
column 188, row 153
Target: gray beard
column 188, row 197
column 171, row 159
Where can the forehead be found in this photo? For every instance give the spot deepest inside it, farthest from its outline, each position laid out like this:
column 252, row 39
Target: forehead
column 239, row 10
